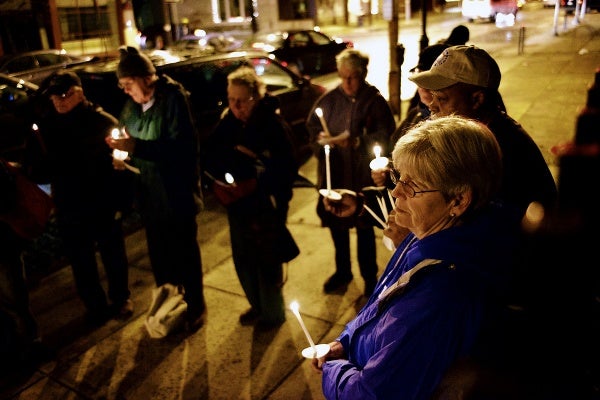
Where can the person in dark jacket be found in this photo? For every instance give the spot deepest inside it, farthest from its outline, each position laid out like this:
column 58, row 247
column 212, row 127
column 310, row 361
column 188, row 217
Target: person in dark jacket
column 418, row 110
column 251, row 143
column 77, row 163
column 464, row 81
column 162, row 144
column 357, row 118
column 21, row 345
column 458, row 36
column 443, row 281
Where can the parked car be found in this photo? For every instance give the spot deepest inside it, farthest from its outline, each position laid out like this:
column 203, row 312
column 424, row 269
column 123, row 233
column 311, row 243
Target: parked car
column 308, row 52
column 35, row 66
column 488, row 9
column 16, row 105
column 206, row 79
column 203, row 43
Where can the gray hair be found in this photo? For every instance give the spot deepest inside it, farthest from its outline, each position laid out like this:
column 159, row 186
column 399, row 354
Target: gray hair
column 452, row 154
column 246, row 76
column 354, row 60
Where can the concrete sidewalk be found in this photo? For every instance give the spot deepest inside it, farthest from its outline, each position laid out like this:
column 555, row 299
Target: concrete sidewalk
column 543, row 89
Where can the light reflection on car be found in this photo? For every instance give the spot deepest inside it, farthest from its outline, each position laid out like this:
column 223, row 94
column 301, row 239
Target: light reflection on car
column 35, row 66
column 307, row 52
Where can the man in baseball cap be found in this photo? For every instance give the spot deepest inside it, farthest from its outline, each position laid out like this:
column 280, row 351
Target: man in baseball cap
column 61, row 82
column 464, row 81
column 466, row 64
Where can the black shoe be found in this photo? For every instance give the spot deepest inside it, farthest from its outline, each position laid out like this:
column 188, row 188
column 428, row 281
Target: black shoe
column 250, row 317
column 97, row 318
column 336, row 282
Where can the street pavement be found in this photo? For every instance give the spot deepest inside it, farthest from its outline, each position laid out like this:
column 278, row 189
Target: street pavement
column 543, row 88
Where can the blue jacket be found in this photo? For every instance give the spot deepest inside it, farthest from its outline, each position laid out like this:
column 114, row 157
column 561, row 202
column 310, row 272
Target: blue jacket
column 400, row 344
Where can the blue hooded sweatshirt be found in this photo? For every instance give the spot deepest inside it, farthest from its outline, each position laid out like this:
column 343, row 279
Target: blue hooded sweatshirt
column 402, row 342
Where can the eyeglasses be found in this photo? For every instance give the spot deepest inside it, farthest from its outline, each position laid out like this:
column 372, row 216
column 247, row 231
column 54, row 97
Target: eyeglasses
column 126, row 85
column 233, row 100
column 408, row 189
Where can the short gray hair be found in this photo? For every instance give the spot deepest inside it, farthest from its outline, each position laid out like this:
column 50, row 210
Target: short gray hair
column 246, row 76
column 452, row 154
column 353, row 59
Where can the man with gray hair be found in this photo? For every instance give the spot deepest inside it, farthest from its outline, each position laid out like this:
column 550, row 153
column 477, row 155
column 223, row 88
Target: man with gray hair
column 357, row 117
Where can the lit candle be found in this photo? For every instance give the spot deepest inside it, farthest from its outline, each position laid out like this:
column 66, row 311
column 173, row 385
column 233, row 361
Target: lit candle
column 377, row 151
column 319, row 113
column 229, row 179
column 378, row 162
column 294, row 307
column 118, row 154
column 121, row 155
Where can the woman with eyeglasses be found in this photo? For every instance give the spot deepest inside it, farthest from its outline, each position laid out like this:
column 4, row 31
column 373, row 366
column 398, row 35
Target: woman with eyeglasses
column 429, row 305
column 162, row 143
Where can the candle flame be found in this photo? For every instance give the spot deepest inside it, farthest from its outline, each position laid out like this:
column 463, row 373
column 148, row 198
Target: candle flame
column 294, row 306
column 377, row 151
column 115, row 134
column 319, row 112
column 326, row 149
column 35, row 127
column 229, row 178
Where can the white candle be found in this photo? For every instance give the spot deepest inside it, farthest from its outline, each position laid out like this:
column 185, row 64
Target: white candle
column 294, row 307
column 378, row 162
column 327, row 169
column 319, row 113
column 374, row 215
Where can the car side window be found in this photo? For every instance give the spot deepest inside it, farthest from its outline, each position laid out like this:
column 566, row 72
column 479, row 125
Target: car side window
column 299, row 39
column 20, row 64
column 275, row 77
column 46, row 60
column 318, row 38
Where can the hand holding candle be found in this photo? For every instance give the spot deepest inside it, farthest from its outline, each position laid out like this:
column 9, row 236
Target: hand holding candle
column 314, row 351
column 121, row 155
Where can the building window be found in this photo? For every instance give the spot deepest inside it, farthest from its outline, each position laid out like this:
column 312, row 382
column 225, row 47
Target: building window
column 78, row 23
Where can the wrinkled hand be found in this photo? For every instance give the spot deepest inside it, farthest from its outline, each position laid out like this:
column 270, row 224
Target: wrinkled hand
column 126, row 144
column 336, row 351
column 394, row 231
column 345, row 207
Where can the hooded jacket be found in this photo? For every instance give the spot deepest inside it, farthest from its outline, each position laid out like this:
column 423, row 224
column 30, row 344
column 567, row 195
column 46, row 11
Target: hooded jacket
column 402, row 342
